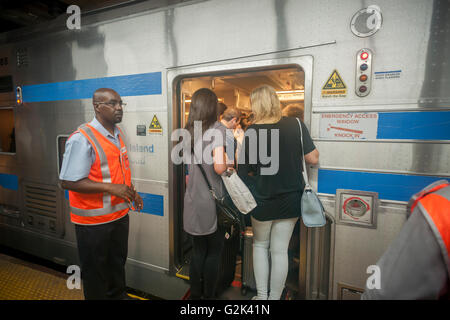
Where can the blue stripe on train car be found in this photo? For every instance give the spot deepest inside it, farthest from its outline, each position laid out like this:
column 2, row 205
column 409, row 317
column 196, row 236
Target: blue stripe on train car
column 128, row 85
column 9, row 181
column 422, row 125
column 389, row 186
column 153, row 204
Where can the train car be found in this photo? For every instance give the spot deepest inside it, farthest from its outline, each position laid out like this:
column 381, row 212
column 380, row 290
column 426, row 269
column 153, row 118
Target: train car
column 373, row 78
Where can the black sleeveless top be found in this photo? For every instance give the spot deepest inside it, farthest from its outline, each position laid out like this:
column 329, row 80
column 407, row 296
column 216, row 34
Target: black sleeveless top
column 277, row 195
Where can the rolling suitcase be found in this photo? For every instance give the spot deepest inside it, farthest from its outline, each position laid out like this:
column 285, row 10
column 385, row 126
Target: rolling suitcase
column 248, row 277
column 227, row 266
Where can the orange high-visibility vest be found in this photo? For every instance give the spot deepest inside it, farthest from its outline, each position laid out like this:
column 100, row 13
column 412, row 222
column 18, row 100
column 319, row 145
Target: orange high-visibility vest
column 434, row 202
column 111, row 165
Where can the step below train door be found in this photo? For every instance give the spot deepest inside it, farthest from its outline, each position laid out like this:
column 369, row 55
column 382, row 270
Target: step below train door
column 310, row 250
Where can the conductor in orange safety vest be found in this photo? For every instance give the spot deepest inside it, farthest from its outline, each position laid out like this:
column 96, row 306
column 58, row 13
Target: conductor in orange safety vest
column 96, row 172
column 416, row 266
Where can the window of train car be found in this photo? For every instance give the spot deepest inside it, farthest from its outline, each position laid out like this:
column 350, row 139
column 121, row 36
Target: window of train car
column 6, row 84
column 7, row 131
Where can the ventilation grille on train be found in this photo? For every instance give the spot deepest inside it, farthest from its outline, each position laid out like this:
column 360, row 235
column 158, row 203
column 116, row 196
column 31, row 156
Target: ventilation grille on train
column 40, row 200
column 346, row 292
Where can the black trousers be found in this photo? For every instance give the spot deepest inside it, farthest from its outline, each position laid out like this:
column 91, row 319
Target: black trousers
column 103, row 251
column 205, row 260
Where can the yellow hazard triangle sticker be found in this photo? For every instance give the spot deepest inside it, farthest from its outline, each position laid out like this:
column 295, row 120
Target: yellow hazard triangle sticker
column 334, row 87
column 155, row 126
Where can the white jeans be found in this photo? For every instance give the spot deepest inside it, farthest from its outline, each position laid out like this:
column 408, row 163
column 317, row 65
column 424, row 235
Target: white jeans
column 274, row 234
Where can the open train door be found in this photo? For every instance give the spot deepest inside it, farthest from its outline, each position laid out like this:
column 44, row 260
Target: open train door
column 233, row 82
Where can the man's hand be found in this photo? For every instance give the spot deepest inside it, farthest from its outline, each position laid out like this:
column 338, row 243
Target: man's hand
column 122, row 191
column 238, row 134
column 138, row 201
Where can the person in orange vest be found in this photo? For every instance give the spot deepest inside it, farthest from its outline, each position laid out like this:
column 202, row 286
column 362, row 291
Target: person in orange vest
column 416, row 265
column 96, row 172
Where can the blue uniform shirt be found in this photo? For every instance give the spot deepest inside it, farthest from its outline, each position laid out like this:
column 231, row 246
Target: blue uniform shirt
column 79, row 155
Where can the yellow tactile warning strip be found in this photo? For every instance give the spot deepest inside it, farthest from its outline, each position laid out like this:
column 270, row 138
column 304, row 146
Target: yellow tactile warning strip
column 136, row 297
column 20, row 280
column 183, row 273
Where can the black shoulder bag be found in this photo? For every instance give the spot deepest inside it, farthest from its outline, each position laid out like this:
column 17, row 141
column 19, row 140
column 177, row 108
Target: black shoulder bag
column 227, row 214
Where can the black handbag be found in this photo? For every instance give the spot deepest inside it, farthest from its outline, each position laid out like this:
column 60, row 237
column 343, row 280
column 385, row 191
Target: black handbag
column 227, row 213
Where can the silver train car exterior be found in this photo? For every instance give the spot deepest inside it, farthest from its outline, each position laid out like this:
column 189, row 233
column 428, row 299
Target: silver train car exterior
column 381, row 137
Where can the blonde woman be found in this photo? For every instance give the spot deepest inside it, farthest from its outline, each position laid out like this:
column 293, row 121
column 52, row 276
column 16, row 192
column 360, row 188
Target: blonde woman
column 278, row 195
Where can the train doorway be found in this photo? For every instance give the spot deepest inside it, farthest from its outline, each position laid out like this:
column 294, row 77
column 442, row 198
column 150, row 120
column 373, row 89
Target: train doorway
column 291, row 78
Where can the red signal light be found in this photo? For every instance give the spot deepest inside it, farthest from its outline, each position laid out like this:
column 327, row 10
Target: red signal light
column 364, row 55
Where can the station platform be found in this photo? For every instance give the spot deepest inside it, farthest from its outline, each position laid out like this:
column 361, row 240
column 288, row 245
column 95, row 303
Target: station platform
column 24, row 280
column 26, row 277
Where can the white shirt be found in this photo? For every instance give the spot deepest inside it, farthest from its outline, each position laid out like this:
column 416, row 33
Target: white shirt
column 79, row 154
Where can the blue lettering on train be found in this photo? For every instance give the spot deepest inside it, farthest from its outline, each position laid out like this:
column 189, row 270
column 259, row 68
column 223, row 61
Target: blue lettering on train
column 140, row 148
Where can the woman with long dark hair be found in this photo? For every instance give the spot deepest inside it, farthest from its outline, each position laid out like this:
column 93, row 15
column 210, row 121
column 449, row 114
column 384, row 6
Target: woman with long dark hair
column 199, row 214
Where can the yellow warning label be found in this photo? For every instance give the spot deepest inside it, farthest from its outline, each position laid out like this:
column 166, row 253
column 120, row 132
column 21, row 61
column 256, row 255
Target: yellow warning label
column 155, row 126
column 334, row 87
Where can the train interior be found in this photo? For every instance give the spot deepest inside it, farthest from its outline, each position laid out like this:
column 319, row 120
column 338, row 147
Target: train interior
column 234, row 89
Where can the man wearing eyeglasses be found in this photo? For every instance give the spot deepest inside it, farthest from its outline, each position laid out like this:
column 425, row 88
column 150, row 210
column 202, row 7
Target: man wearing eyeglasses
column 234, row 135
column 96, row 172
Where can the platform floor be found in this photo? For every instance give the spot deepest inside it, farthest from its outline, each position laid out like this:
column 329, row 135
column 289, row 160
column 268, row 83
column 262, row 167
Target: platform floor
column 24, row 277
column 22, row 280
